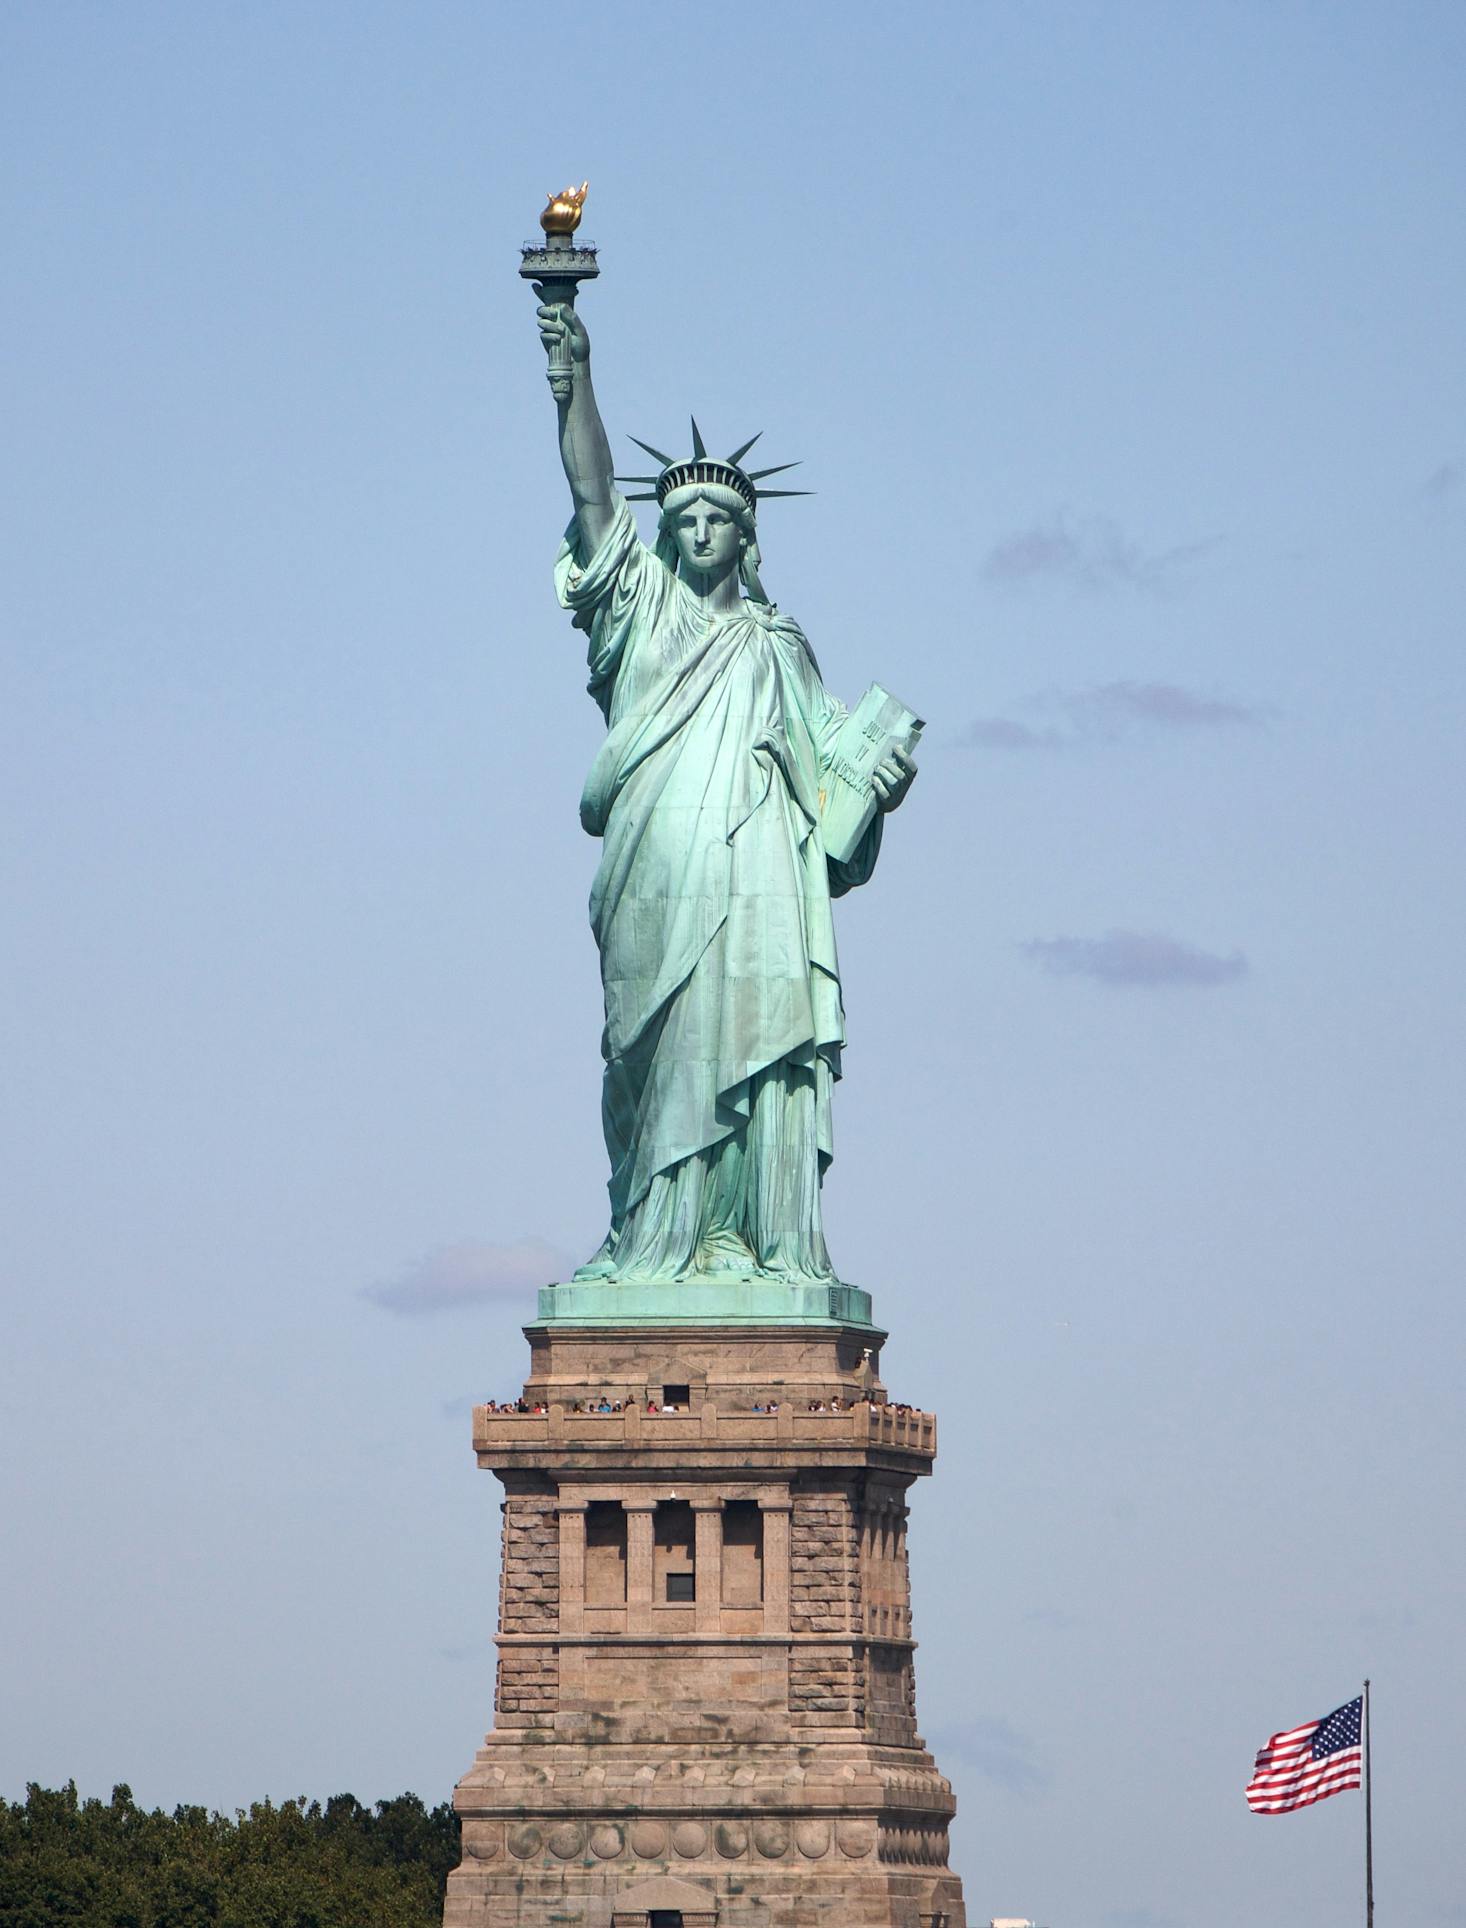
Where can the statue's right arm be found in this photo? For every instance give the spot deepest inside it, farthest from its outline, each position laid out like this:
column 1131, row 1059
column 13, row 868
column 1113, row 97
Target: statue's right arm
column 584, row 449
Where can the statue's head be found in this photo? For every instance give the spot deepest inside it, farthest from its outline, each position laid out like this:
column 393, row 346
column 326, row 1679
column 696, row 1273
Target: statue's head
column 708, row 507
column 706, row 529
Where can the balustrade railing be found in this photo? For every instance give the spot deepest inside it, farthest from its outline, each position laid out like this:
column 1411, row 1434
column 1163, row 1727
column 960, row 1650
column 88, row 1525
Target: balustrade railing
column 888, row 1425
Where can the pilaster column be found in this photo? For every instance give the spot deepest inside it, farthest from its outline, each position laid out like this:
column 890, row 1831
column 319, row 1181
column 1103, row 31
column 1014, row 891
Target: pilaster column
column 708, row 1559
column 903, row 1573
column 776, row 1512
column 572, row 1565
column 640, row 1531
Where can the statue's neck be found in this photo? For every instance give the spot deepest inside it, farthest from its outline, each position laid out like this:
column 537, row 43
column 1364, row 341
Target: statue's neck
column 716, row 594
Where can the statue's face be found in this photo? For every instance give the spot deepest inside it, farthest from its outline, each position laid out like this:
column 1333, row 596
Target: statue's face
column 708, row 539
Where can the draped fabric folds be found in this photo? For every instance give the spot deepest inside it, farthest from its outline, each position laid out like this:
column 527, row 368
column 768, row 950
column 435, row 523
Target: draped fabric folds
column 711, row 908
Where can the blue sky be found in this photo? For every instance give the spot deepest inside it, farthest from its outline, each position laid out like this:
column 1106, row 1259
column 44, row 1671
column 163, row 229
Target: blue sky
column 1122, row 346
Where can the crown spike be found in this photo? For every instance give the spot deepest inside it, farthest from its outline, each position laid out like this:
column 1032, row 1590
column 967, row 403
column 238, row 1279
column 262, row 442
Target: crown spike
column 659, row 455
column 701, row 469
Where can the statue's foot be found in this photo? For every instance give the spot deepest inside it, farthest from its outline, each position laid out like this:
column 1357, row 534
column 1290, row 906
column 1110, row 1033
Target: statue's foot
column 599, row 1268
column 795, row 1275
column 722, row 1255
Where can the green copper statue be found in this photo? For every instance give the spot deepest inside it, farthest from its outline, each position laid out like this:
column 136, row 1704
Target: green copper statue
column 712, row 902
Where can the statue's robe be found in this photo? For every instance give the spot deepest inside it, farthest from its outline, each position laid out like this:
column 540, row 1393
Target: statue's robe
column 711, row 908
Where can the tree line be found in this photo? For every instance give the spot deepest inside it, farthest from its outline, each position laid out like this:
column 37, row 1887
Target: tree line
column 70, row 1863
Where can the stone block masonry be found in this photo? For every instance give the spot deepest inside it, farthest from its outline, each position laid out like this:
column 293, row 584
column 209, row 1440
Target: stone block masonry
column 705, row 1700
column 529, row 1578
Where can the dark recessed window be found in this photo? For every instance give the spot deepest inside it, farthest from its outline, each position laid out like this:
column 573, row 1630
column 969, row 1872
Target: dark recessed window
column 665, row 1918
column 743, row 1554
column 680, row 1396
column 605, row 1554
column 674, row 1551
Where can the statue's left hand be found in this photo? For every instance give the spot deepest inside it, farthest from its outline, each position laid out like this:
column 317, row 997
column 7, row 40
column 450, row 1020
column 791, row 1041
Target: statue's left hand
column 892, row 778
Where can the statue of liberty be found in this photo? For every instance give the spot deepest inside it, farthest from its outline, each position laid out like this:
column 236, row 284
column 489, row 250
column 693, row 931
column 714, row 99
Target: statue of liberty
column 712, row 901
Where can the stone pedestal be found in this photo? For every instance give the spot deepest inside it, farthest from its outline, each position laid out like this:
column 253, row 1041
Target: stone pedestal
column 705, row 1710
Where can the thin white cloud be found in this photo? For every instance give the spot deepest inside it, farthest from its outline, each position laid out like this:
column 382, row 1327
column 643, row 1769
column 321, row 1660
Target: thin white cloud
column 1087, row 553
column 1144, row 959
column 1003, row 733
column 1108, row 713
column 1164, row 703
column 990, row 1746
column 1052, row 1619
column 473, row 1272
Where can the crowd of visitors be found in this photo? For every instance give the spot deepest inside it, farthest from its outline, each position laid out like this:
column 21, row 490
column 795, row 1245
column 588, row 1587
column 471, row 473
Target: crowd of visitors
column 601, row 1405
column 834, row 1404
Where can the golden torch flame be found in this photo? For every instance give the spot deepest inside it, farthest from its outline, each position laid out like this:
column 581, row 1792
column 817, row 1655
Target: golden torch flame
column 562, row 216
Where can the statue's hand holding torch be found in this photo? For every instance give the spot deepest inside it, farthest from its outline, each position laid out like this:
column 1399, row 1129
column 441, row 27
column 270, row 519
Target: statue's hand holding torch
column 555, row 270
column 566, row 342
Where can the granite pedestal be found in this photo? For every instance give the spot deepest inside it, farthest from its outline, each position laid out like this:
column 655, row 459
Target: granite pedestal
column 705, row 1711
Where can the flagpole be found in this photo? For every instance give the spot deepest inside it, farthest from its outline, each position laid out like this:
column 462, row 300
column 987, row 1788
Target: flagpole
column 1368, row 1825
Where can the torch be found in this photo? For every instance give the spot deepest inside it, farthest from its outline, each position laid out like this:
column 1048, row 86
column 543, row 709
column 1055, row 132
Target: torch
column 559, row 265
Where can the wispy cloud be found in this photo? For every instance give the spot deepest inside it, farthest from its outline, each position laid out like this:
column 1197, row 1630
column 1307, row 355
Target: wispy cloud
column 1087, row 553
column 1108, row 713
column 1164, row 703
column 470, row 1273
column 991, row 1747
column 1051, row 1619
column 1443, row 482
column 1387, row 1622
column 1002, row 733
column 1135, row 958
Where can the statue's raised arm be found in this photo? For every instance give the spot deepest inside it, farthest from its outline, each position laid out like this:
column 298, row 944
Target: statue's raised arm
column 583, row 446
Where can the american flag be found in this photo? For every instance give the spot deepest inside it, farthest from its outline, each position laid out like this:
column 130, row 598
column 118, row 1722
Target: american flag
column 1308, row 1763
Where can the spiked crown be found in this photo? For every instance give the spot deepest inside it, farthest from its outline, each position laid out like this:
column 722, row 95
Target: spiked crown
column 700, row 467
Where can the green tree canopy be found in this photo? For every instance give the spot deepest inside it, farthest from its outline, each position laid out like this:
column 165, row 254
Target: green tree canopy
column 70, row 1863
